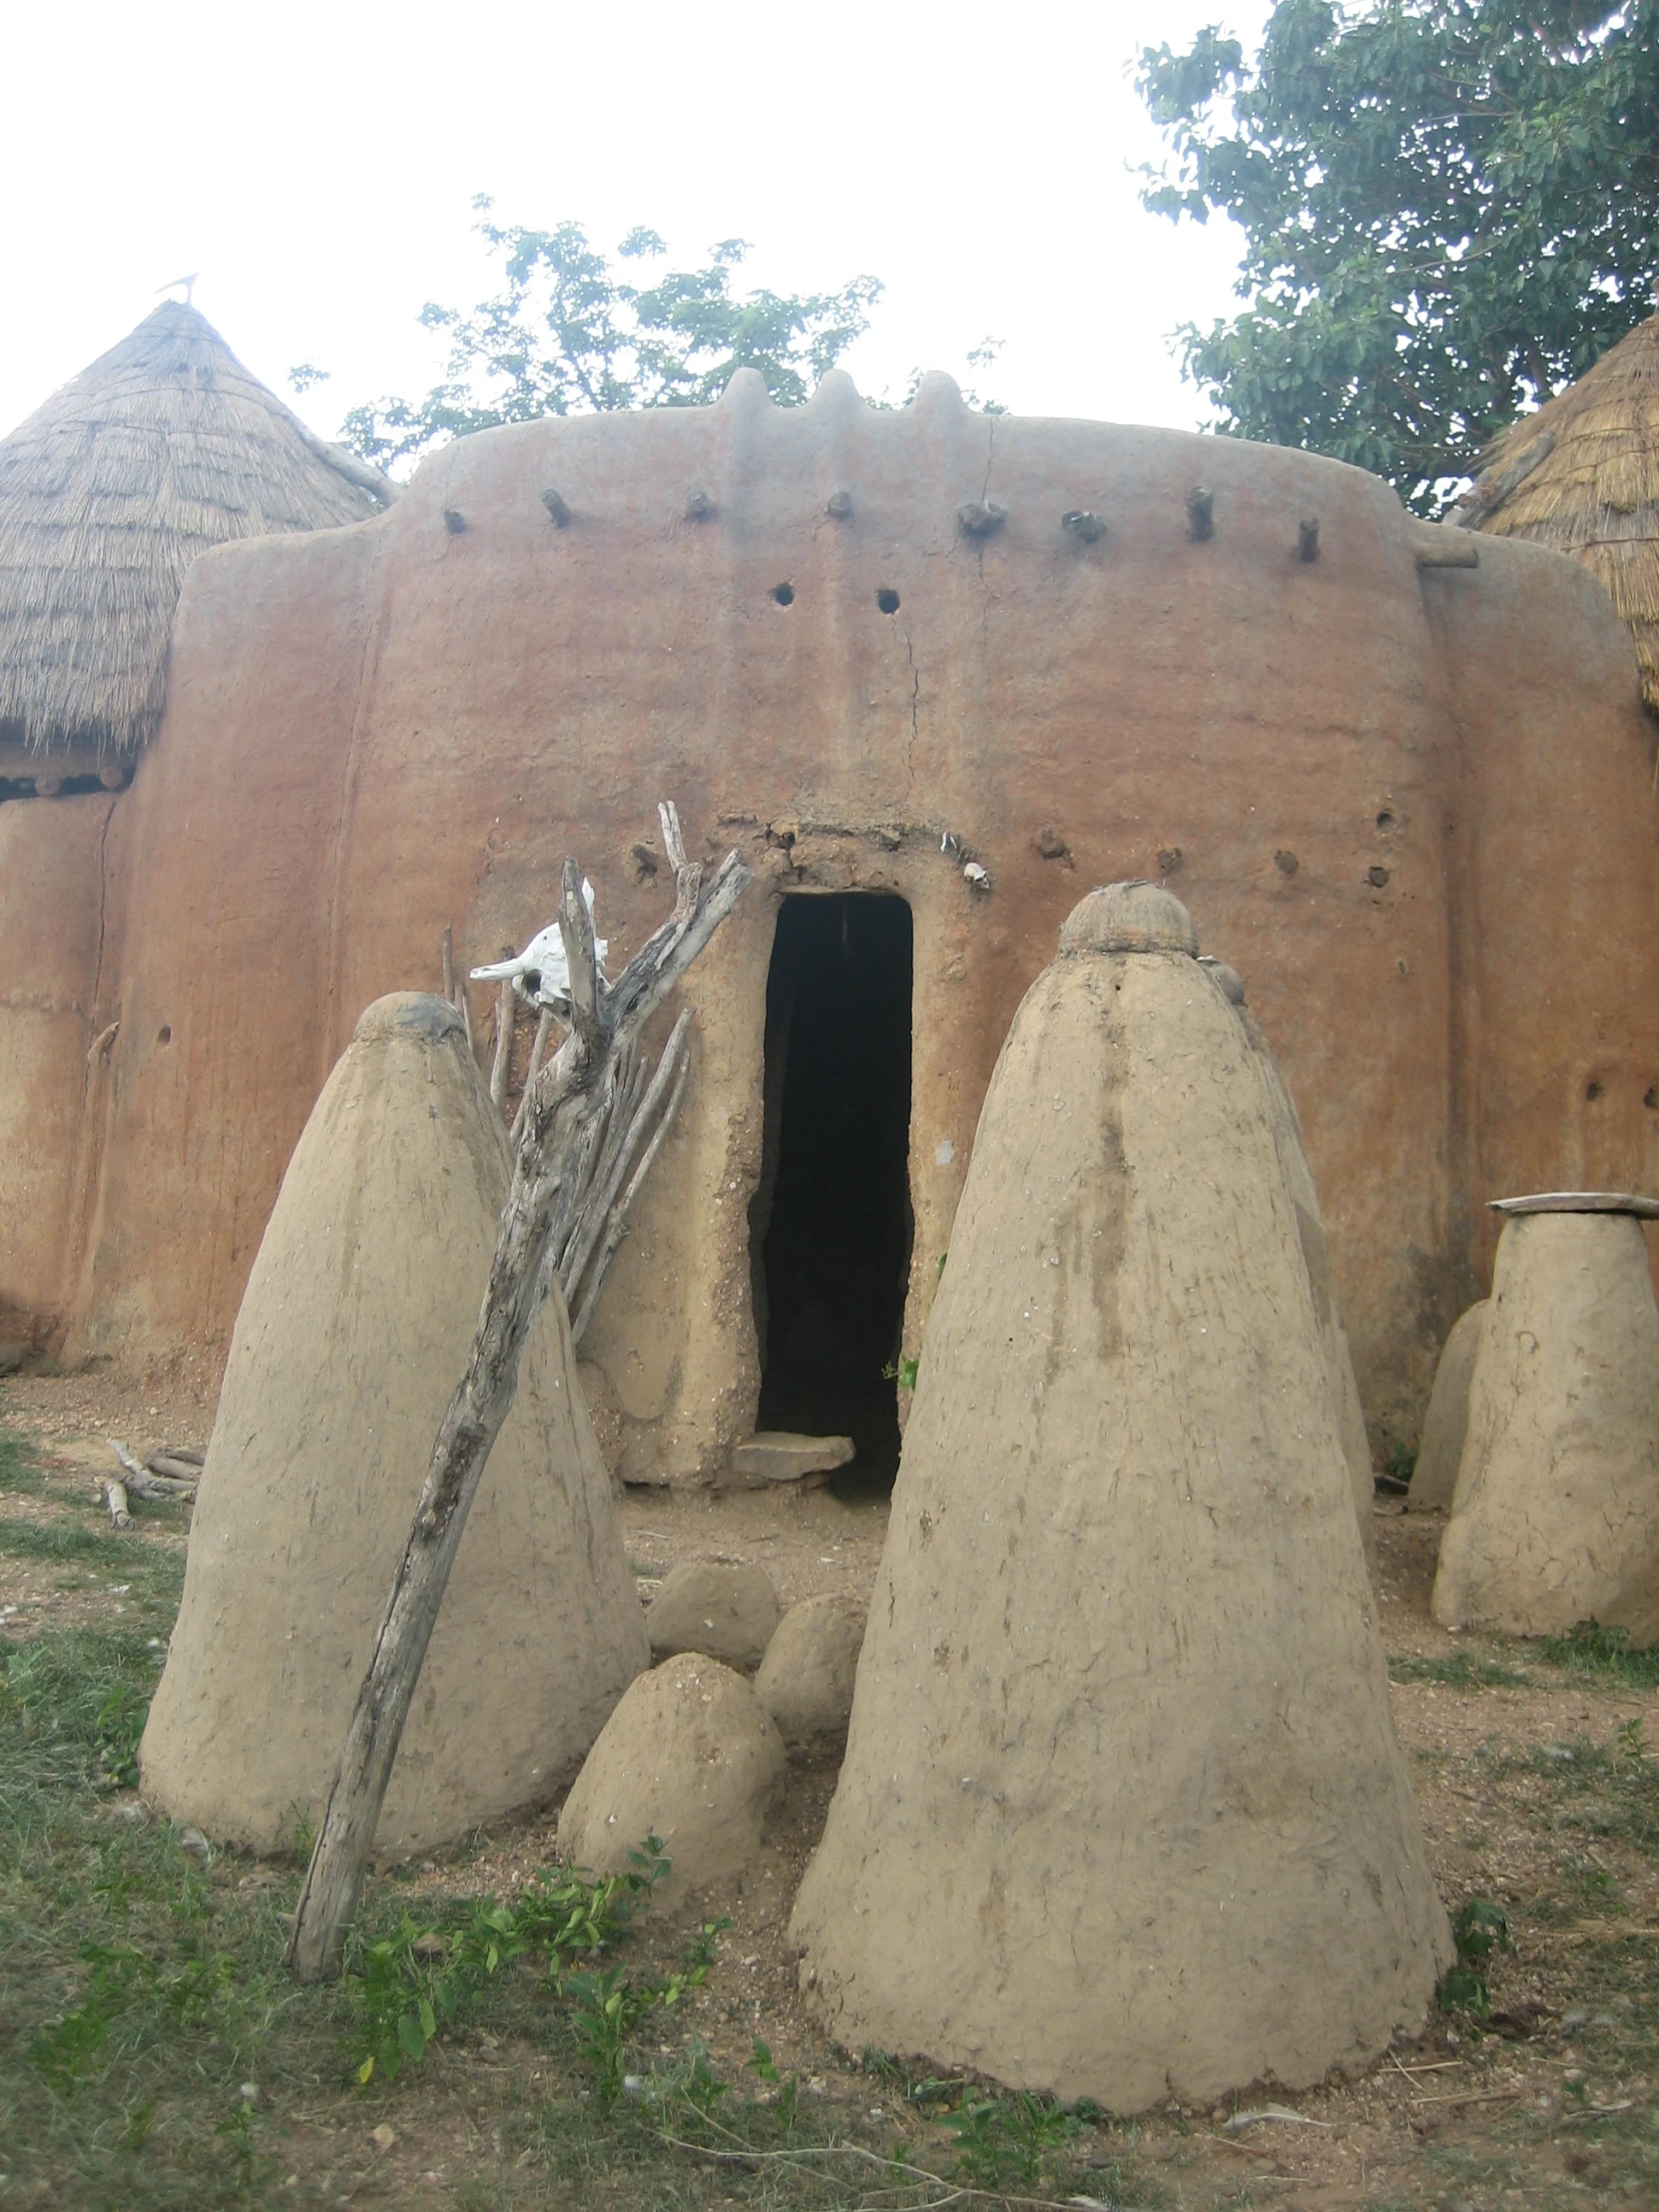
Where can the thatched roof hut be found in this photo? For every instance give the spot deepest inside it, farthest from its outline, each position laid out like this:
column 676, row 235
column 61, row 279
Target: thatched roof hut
column 165, row 446
column 1583, row 475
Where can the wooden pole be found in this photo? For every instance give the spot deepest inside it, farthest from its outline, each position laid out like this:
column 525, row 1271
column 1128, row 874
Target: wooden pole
column 506, row 1015
column 555, row 1164
column 538, row 1045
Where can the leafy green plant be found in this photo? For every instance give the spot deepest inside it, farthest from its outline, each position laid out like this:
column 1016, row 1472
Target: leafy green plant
column 903, row 1371
column 695, row 2083
column 606, row 2009
column 122, row 1713
column 398, row 1990
column 410, row 1984
column 237, row 2133
column 1400, row 1463
column 786, row 2091
column 1478, row 1927
column 1006, row 2142
column 569, row 1916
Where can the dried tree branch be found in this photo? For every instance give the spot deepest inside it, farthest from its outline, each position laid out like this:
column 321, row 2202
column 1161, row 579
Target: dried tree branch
column 143, row 1483
column 630, row 1119
column 538, row 1046
column 558, row 1151
column 616, row 1222
column 506, row 1016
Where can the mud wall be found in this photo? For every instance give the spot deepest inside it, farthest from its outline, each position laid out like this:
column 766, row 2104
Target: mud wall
column 58, row 923
column 1412, row 804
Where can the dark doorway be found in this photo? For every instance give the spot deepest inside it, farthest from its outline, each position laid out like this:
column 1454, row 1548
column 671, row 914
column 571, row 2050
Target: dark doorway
column 831, row 1223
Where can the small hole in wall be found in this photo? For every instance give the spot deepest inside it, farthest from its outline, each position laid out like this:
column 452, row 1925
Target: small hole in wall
column 1384, row 821
column 164, row 1035
column 887, row 600
column 784, row 594
column 1593, row 1091
column 1650, row 1098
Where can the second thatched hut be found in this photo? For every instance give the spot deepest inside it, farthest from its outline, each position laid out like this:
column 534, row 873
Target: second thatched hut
column 1581, row 476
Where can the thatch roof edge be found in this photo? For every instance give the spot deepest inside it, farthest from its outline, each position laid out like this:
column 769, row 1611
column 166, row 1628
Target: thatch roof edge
column 1581, row 475
column 165, row 446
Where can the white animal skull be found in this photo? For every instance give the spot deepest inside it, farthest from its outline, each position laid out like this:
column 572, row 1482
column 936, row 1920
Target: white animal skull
column 540, row 972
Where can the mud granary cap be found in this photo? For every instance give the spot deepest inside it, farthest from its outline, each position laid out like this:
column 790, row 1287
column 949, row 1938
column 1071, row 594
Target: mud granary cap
column 417, row 1012
column 1129, row 918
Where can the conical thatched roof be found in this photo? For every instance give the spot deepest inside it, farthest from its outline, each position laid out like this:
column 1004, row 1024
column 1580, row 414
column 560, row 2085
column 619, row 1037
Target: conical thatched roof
column 1583, row 475
column 165, row 446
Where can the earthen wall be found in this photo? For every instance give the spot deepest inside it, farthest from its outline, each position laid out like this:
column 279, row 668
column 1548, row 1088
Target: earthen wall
column 1412, row 804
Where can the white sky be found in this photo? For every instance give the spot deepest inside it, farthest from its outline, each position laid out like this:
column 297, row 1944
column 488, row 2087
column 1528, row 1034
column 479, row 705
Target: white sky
column 316, row 164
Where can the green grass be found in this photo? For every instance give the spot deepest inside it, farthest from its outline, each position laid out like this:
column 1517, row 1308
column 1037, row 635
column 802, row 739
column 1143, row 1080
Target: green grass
column 141, row 1993
column 19, row 1472
column 1458, row 1670
column 59, row 1540
column 1590, row 1803
column 1595, row 1657
column 155, row 2057
column 1603, row 1656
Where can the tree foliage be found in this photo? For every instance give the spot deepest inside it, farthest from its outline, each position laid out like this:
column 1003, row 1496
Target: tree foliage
column 570, row 333
column 1450, row 208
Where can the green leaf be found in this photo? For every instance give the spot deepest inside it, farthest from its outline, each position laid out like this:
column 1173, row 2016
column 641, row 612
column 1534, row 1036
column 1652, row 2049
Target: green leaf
column 1448, row 211
column 567, row 335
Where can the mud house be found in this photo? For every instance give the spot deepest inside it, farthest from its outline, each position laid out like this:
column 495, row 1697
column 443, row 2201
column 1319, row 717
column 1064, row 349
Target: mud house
column 937, row 673
column 164, row 446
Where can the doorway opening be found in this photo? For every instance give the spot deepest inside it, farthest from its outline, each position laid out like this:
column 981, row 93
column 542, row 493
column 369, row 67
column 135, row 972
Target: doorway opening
column 830, row 1223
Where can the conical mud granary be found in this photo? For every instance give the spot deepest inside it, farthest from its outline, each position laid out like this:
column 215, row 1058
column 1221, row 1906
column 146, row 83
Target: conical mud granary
column 1123, row 1812
column 351, row 1336
column 1555, row 1513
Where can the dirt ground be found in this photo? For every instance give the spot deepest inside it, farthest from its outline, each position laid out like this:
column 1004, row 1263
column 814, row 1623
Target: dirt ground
column 1552, row 2104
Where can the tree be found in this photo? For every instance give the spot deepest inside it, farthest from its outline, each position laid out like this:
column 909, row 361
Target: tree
column 1450, row 209
column 569, row 334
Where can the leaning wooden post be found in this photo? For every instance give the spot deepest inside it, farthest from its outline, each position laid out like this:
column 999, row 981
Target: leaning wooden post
column 555, row 1147
column 506, row 1016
